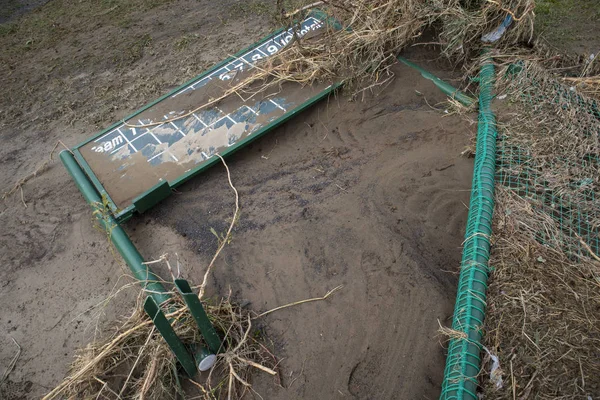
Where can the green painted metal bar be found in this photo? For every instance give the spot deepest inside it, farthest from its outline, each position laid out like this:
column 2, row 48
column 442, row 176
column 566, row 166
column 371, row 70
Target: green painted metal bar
column 195, row 305
column 168, row 333
column 464, row 354
column 445, row 87
column 118, row 236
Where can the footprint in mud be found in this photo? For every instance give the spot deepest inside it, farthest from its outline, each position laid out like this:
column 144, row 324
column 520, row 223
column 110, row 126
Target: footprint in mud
column 416, row 190
column 15, row 390
column 361, row 380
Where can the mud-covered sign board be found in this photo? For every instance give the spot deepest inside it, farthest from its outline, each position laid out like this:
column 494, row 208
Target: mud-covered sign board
column 135, row 162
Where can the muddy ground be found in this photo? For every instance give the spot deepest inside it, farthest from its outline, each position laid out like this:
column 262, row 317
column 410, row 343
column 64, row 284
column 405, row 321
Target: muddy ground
column 569, row 26
column 370, row 195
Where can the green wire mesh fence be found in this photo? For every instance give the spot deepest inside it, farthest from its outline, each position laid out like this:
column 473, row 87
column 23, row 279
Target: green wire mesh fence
column 556, row 167
column 548, row 154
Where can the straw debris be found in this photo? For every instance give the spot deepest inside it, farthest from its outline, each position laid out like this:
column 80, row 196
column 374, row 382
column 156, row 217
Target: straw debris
column 135, row 361
column 543, row 315
column 362, row 39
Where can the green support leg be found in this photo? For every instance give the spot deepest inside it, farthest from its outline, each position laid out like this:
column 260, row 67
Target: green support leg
column 445, row 87
column 168, row 333
column 197, row 310
column 150, row 282
column 205, row 359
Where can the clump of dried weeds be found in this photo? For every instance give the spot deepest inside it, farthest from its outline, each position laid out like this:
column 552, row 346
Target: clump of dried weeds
column 135, row 361
column 543, row 314
column 361, row 40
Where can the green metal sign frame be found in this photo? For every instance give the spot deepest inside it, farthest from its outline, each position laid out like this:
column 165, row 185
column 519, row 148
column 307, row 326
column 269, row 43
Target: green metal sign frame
column 162, row 190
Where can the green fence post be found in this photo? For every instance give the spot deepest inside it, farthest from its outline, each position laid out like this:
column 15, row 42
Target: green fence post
column 168, row 333
column 197, row 310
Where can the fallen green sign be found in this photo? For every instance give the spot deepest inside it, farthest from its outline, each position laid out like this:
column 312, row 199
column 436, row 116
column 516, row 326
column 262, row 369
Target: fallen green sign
column 136, row 162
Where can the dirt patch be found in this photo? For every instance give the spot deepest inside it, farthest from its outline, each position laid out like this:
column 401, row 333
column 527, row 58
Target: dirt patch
column 368, row 194
column 569, row 26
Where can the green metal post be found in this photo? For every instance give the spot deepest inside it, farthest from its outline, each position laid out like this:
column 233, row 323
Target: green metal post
column 150, row 282
column 197, row 310
column 464, row 354
column 168, row 333
column 445, row 87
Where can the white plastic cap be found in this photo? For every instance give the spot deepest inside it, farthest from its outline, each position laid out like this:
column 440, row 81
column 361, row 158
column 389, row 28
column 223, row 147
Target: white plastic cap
column 207, row 362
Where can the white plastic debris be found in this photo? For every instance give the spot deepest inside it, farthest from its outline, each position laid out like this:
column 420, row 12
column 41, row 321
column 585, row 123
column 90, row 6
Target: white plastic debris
column 501, row 97
column 498, row 32
column 207, row 362
column 495, row 371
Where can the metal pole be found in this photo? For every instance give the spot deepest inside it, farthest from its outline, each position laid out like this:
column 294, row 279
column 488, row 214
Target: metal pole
column 168, row 333
column 445, row 87
column 195, row 305
column 150, row 282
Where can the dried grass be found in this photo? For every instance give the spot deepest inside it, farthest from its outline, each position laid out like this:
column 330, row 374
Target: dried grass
column 464, row 22
column 589, row 85
column 360, row 51
column 543, row 315
column 43, row 167
column 135, row 361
